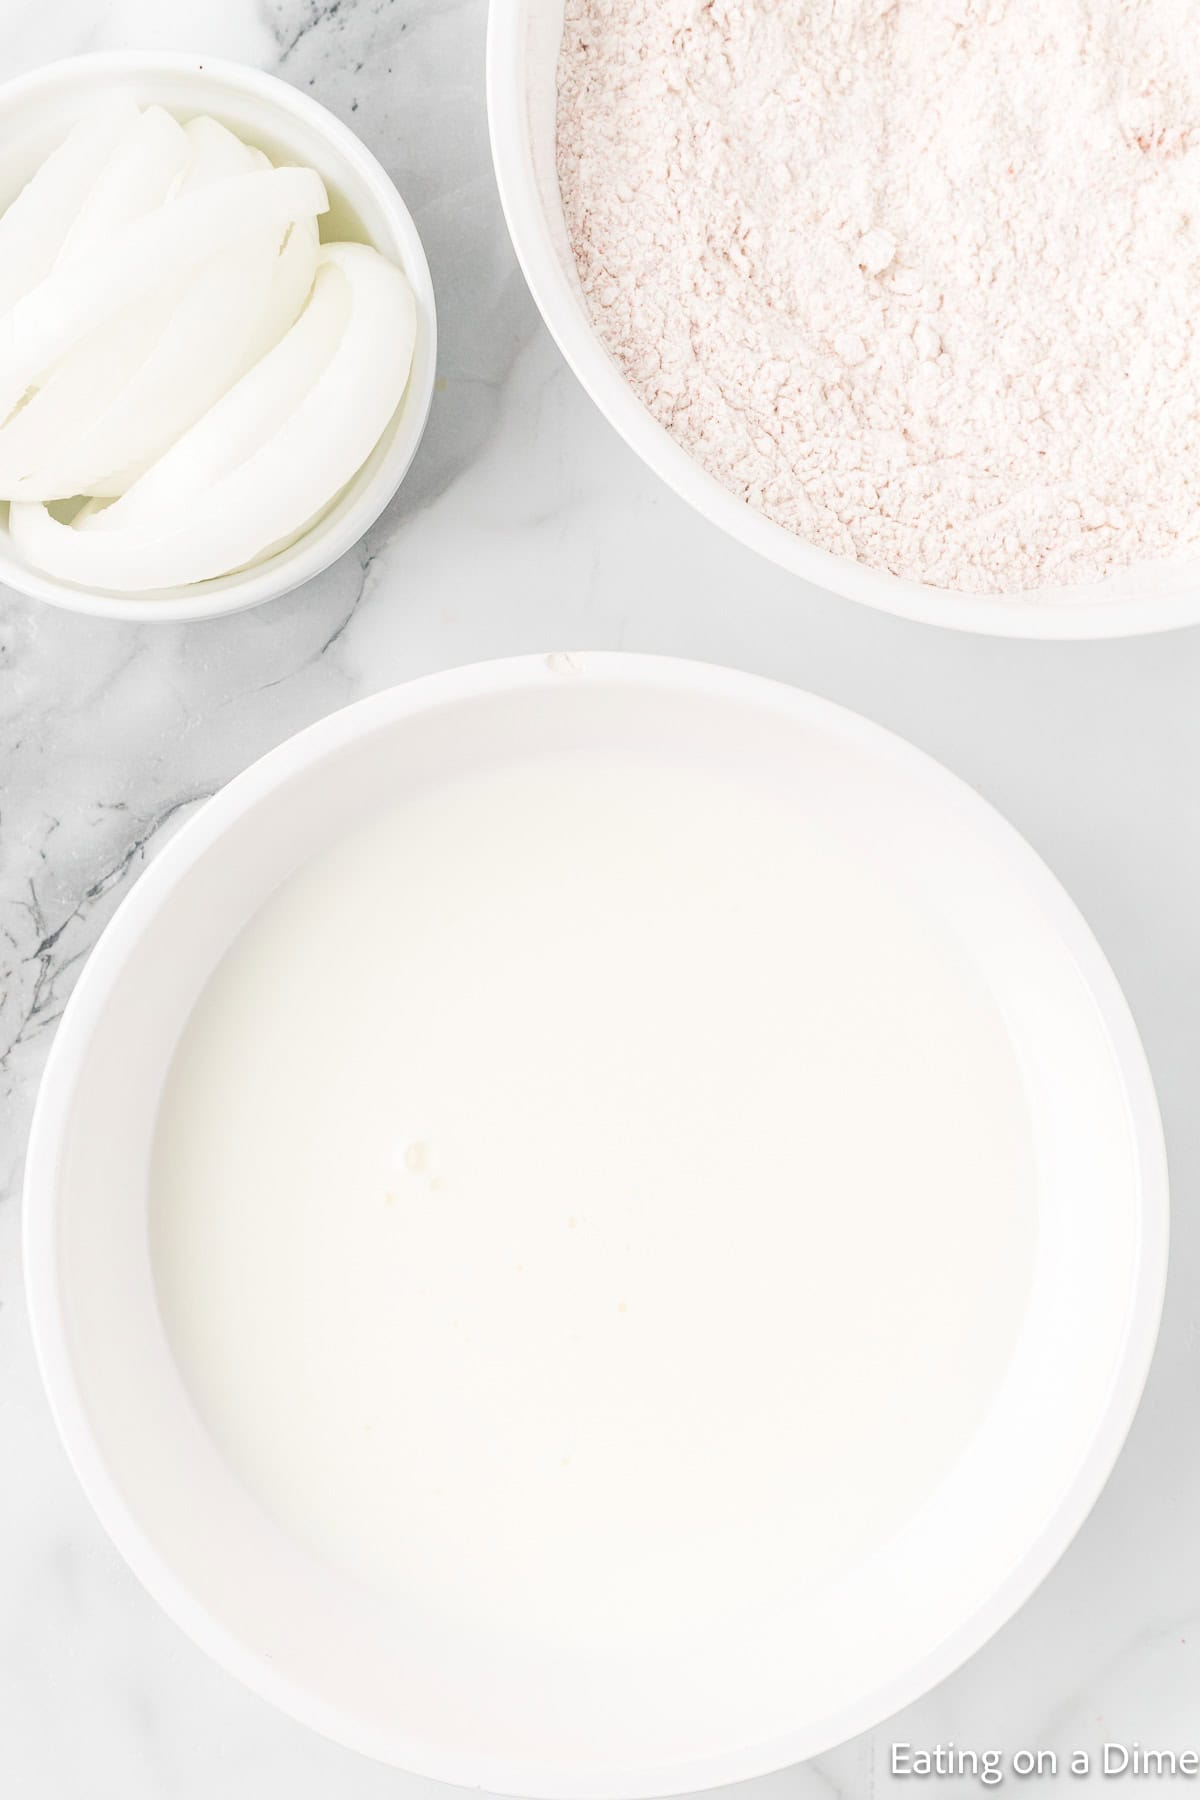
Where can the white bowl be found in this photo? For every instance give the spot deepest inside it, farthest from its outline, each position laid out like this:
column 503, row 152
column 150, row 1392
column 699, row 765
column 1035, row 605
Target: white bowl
column 522, row 54
column 805, row 1671
column 38, row 109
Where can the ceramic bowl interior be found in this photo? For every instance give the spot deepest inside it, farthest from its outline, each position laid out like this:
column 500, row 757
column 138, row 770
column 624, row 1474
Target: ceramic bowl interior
column 36, row 112
column 523, row 44
column 799, row 1671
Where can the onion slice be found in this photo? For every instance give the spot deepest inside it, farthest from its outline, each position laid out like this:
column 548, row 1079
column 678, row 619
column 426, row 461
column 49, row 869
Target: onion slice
column 284, row 483
column 154, row 250
column 35, row 225
column 82, row 387
column 244, row 419
column 147, row 159
column 134, row 385
column 214, row 154
column 238, row 306
column 136, row 178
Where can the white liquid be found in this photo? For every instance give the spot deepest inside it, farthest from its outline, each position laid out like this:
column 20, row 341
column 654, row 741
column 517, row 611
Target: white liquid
column 587, row 1199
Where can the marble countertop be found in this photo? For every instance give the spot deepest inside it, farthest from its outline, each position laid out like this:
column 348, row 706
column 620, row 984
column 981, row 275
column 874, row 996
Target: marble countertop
column 502, row 541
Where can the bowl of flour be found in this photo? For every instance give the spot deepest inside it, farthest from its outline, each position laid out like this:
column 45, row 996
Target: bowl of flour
column 901, row 296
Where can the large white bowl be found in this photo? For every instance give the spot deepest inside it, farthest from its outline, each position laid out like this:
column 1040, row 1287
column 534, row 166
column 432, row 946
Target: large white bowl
column 36, row 112
column 802, row 1672
column 522, row 54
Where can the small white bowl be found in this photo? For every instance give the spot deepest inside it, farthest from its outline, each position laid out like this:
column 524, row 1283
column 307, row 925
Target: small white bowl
column 38, row 109
column 509, row 1710
column 522, row 57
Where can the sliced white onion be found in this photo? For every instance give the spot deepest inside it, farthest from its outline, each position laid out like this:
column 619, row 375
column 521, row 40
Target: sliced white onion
column 130, row 387
column 244, row 419
column 147, row 254
column 81, row 388
column 291, row 283
column 294, row 474
column 235, row 308
column 88, row 510
column 214, row 154
column 35, row 225
column 136, row 178
column 149, row 154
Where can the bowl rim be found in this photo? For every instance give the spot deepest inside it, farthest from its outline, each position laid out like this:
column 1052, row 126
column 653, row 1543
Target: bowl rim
column 40, row 1223
column 565, row 319
column 330, row 538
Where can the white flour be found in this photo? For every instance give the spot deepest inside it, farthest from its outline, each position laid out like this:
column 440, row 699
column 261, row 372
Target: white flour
column 920, row 279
